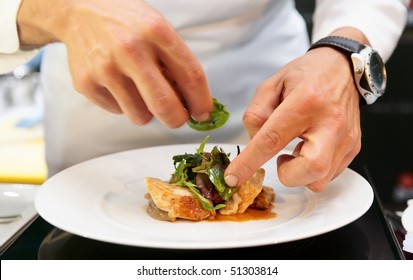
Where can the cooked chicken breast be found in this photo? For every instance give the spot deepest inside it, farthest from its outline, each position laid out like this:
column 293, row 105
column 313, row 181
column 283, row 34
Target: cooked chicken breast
column 265, row 199
column 245, row 195
column 177, row 201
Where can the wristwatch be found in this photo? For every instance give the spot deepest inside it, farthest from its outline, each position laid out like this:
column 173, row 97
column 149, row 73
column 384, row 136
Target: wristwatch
column 368, row 67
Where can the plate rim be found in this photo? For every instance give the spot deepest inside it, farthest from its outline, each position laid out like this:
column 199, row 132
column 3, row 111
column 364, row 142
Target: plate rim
column 190, row 245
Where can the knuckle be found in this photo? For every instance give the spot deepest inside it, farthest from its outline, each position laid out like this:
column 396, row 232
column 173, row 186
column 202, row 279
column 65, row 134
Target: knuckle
column 338, row 124
column 284, row 179
column 194, row 77
column 127, row 44
column 140, row 118
column 162, row 105
column 353, row 138
column 318, row 168
column 264, row 86
column 270, row 143
column 318, row 186
column 252, row 120
column 357, row 147
column 157, row 27
column 315, row 99
column 84, row 83
column 105, row 68
column 165, row 109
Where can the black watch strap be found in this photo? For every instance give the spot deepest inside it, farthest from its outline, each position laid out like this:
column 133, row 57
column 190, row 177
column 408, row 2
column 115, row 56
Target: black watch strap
column 341, row 43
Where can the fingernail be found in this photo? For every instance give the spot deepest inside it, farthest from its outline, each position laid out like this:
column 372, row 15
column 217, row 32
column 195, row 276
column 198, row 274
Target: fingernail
column 203, row 117
column 231, row 180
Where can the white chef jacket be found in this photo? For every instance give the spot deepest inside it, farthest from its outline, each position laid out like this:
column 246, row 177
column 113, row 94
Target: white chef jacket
column 239, row 44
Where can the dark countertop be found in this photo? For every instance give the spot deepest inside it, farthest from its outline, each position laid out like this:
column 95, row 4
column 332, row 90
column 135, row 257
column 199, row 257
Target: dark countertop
column 369, row 237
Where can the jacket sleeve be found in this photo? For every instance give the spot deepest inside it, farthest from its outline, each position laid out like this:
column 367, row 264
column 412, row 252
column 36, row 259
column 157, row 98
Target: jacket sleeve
column 10, row 54
column 381, row 21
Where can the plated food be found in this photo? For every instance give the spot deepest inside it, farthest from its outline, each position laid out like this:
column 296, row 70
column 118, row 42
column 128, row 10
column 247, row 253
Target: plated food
column 197, row 190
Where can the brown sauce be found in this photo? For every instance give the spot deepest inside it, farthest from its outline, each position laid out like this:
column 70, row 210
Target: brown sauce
column 250, row 214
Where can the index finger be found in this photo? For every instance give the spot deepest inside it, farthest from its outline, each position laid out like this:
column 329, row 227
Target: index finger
column 284, row 125
column 189, row 76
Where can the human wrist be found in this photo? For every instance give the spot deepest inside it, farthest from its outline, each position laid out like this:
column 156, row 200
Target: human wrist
column 351, row 33
column 38, row 22
column 368, row 67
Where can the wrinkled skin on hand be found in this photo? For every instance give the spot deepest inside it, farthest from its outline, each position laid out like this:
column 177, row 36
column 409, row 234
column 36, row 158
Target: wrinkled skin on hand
column 315, row 99
column 124, row 56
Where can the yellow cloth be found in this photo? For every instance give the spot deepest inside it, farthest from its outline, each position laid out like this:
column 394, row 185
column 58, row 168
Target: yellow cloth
column 22, row 158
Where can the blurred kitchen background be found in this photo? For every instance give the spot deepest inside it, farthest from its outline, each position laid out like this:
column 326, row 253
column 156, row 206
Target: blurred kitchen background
column 22, row 159
column 387, row 151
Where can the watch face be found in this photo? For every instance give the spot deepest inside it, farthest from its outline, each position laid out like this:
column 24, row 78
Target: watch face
column 377, row 74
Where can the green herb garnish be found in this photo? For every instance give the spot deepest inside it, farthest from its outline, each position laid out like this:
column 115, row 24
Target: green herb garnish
column 219, row 117
column 213, row 164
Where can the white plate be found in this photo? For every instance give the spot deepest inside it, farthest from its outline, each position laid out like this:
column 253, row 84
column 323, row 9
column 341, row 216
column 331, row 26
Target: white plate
column 16, row 199
column 103, row 199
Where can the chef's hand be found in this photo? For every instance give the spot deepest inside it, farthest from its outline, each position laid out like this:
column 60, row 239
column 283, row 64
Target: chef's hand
column 124, row 56
column 313, row 98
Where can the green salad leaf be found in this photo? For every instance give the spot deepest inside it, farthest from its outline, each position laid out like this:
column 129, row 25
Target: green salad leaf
column 206, row 203
column 219, row 117
column 213, row 164
column 215, row 168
